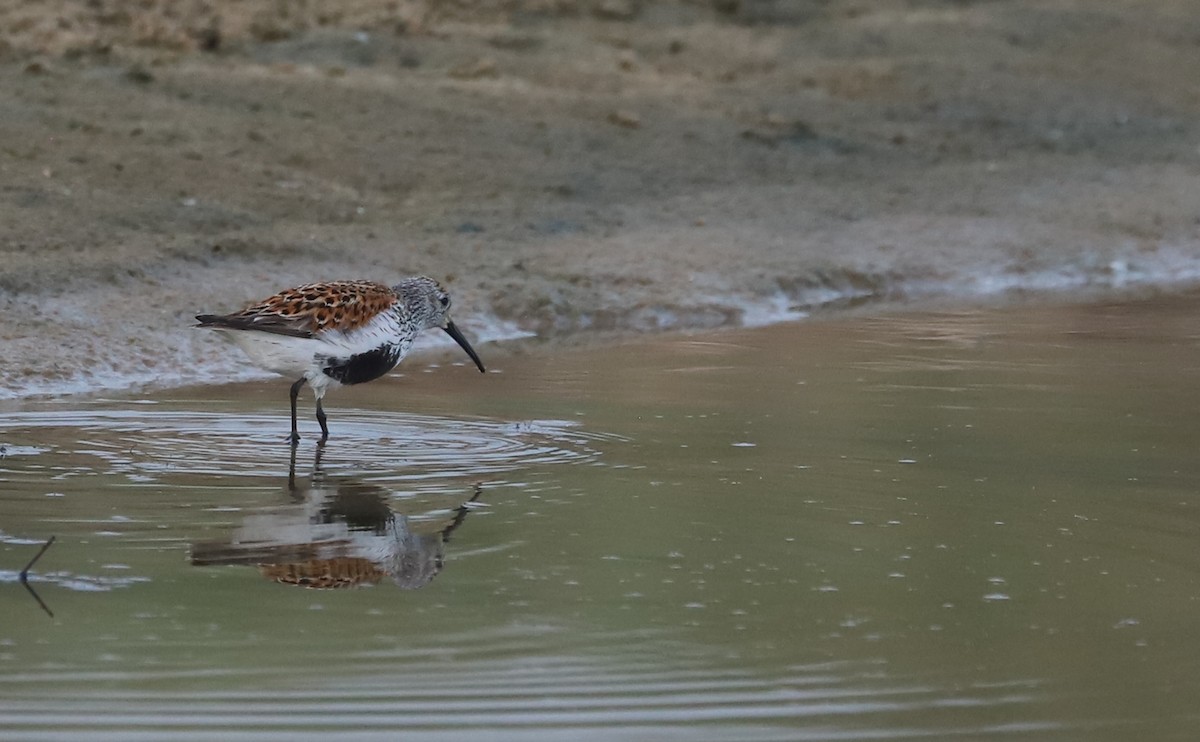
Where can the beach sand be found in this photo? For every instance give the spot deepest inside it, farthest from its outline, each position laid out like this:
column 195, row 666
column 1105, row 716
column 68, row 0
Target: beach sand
column 575, row 171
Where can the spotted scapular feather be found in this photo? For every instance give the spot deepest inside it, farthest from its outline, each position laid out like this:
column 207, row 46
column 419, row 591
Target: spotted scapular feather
column 312, row 308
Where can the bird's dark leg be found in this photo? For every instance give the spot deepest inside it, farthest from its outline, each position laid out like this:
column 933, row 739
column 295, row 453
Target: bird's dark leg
column 292, row 476
column 296, row 393
column 321, row 420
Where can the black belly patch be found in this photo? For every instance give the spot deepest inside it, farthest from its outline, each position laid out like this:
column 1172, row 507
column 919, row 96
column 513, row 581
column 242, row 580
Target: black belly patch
column 363, row 367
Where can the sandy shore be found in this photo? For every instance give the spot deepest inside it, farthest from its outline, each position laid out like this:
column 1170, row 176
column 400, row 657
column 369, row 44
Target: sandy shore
column 575, row 169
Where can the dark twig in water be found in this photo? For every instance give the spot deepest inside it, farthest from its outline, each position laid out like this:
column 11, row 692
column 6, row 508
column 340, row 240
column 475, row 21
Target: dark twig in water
column 24, row 577
column 38, row 598
column 37, row 556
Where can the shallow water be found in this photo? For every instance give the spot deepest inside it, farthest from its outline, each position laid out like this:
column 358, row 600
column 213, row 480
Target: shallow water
column 971, row 524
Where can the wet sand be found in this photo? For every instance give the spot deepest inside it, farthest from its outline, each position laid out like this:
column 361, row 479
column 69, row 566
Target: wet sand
column 576, row 171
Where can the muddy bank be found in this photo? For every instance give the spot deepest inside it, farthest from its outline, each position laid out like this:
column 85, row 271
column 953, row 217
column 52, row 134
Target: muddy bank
column 576, row 168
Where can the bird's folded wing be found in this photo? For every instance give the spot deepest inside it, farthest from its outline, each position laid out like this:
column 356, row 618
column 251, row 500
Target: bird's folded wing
column 272, row 323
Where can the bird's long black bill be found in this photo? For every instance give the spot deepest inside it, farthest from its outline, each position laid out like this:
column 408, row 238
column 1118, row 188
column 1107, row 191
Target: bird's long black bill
column 453, row 331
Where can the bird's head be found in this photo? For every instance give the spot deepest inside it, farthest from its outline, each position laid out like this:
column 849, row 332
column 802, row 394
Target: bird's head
column 427, row 300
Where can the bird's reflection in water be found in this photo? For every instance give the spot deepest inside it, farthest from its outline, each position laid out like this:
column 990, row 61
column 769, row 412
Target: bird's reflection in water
column 337, row 532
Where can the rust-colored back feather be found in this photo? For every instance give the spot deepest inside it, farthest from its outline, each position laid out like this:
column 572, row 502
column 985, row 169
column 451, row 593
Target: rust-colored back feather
column 312, row 308
column 325, row 574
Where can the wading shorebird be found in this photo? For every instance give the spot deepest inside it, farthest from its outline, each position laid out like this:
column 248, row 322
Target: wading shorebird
column 337, row 333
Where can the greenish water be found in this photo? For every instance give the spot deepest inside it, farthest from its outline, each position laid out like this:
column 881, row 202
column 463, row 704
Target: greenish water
column 966, row 525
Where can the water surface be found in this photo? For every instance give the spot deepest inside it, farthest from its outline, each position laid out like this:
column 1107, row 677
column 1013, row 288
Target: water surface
column 967, row 524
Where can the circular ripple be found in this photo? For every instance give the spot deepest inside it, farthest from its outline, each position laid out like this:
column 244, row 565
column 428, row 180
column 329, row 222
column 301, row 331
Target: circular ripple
column 148, row 444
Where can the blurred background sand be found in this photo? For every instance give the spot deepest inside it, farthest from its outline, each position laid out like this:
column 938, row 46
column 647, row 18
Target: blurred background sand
column 576, row 171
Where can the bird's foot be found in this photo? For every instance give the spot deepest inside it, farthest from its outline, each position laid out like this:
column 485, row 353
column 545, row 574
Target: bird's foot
column 294, row 439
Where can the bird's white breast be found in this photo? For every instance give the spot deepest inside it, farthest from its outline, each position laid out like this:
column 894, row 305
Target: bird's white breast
column 295, row 357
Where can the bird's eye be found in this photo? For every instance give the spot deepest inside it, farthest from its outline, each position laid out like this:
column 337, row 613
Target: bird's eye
column 445, row 300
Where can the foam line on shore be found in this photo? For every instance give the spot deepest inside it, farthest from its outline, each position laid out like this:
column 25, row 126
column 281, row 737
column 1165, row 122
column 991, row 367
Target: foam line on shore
column 181, row 362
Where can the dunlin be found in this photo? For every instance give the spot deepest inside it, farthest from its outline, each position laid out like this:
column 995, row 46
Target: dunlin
column 338, row 332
